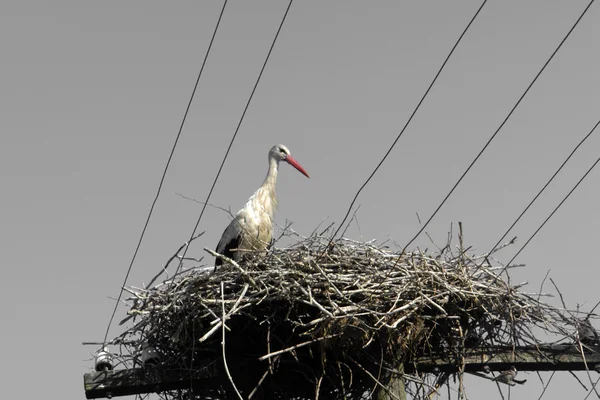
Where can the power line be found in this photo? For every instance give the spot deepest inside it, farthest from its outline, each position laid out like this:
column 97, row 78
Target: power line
column 162, row 179
column 500, row 127
column 543, row 188
column 236, row 132
column 409, row 119
column 550, row 216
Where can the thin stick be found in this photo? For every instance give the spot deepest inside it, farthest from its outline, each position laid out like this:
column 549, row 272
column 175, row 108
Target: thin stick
column 546, row 385
column 228, row 211
column 260, row 381
column 318, row 387
column 174, row 256
column 288, row 349
column 223, row 344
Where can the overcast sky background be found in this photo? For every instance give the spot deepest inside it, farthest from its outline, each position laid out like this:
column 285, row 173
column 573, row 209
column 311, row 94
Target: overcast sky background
column 93, row 93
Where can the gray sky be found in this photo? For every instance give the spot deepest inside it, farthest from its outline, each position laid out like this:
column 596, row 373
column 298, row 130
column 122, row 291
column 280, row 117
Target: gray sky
column 93, row 94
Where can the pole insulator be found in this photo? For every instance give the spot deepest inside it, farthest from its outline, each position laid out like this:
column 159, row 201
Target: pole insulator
column 103, row 360
column 150, row 355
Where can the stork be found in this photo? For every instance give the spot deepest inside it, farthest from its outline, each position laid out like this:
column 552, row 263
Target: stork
column 252, row 226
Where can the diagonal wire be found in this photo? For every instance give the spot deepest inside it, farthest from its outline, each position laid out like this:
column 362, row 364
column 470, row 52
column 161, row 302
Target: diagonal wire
column 162, row 179
column 236, row 132
column 541, row 190
column 550, row 216
column 409, row 119
column 499, row 127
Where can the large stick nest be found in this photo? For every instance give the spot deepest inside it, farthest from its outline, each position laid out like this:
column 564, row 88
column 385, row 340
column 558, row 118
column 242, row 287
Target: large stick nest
column 334, row 318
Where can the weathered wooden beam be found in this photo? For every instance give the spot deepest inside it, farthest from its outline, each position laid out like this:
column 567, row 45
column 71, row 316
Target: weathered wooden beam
column 126, row 382
column 544, row 358
column 540, row 358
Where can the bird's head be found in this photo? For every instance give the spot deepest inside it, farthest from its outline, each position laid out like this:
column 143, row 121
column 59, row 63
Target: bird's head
column 281, row 153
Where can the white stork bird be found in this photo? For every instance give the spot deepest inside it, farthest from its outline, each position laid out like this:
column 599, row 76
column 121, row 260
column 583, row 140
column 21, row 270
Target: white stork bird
column 252, row 226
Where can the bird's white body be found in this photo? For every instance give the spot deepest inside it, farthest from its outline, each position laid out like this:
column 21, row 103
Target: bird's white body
column 252, row 227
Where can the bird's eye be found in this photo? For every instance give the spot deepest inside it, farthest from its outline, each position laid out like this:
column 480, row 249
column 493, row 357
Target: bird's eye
column 282, row 151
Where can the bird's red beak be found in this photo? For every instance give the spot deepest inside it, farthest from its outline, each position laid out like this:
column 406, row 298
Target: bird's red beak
column 290, row 160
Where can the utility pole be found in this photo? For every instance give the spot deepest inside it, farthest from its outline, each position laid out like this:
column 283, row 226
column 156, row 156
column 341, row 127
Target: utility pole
column 108, row 384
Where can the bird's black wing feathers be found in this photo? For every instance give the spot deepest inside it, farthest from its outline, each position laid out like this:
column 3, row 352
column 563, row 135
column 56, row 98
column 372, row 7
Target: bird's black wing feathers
column 225, row 249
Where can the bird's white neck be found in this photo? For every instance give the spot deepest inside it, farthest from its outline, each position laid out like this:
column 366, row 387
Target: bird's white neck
column 271, row 178
column 265, row 198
